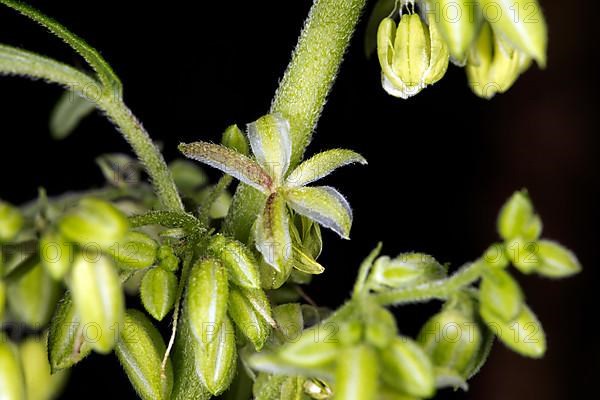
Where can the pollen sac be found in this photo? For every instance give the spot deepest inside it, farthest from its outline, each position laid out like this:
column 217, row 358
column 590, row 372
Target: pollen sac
column 11, row 222
column 412, row 55
column 493, row 64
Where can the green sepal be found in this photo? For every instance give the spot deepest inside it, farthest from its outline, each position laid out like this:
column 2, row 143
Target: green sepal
column 248, row 320
column 135, row 251
column 158, row 291
column 235, row 139
column 501, row 294
column 216, row 361
column 556, row 261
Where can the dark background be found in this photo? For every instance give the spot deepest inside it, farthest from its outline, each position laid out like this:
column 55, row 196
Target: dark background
column 440, row 164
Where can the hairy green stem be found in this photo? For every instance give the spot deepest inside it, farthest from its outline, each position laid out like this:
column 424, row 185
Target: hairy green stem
column 364, row 269
column 440, row 289
column 303, row 92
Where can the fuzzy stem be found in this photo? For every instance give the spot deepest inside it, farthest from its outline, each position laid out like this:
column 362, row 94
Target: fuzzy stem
column 303, row 91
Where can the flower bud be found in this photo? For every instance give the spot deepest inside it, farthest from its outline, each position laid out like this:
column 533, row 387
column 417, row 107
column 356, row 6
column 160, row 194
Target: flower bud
column 356, row 375
column 135, row 251
column 556, row 261
column 314, row 348
column 167, row 259
column 94, row 221
column 11, row 222
column 158, row 291
column 240, row 263
column 524, row 335
column 381, row 327
column 501, row 294
column 351, row 333
column 270, row 278
column 56, row 253
column 12, row 380
column 290, row 322
column 188, row 176
column 452, row 340
column 140, row 350
column 411, row 56
column 458, row 22
column 247, row 318
column 98, row 299
column 40, row 383
column 406, row 269
column 235, row 139
column 521, row 23
column 207, row 295
column 33, row 297
column 66, row 342
column 406, row 367
column 517, row 218
column 216, row 362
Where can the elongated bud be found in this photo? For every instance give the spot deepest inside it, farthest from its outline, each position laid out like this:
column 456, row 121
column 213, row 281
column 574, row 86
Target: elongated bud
column 94, row 222
column 12, row 380
column 501, row 294
column 521, row 23
column 381, row 327
column 40, row 383
column 57, row 254
column 98, row 299
column 158, row 292
column 556, row 261
column 216, row 362
column 517, row 218
column 135, row 251
column 207, row 295
column 249, row 321
column 167, row 259
column 458, row 22
column 32, row 298
column 452, row 340
column 406, row 269
column 412, row 55
column 240, row 263
column 406, row 367
column 316, row 347
column 67, row 344
column 235, row 139
column 524, row 335
column 140, row 350
column 11, row 222
column 356, row 376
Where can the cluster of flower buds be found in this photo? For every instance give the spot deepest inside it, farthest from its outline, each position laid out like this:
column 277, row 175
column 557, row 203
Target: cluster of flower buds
column 494, row 39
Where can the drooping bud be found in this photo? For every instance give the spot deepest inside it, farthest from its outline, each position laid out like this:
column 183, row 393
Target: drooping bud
column 98, row 299
column 158, row 291
column 94, row 222
column 135, row 251
column 140, row 350
column 356, row 376
column 406, row 269
column 240, row 263
column 216, row 361
column 406, row 367
column 412, row 55
column 11, row 222
column 501, row 294
column 57, row 254
column 40, row 383
column 521, row 23
column 247, row 318
column 235, row 139
column 556, row 261
column 12, row 380
column 207, row 296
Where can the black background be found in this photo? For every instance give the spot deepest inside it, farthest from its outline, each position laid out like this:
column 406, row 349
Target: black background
column 440, row 164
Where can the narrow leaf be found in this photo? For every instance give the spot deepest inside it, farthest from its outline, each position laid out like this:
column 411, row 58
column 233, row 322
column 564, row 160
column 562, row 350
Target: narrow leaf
column 230, row 162
column 324, row 205
column 68, row 113
column 321, row 165
column 270, row 141
column 272, row 234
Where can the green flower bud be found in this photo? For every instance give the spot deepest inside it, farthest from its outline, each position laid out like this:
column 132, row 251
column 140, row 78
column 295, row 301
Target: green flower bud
column 57, row 254
column 517, row 218
column 41, row 384
column 521, row 23
column 404, row 270
column 207, row 295
column 556, row 261
column 411, row 56
column 495, row 256
column 67, row 344
column 523, row 255
column 406, row 367
column 12, row 380
column 501, row 294
column 249, row 321
column 167, row 259
column 94, row 222
column 351, row 333
column 140, row 350
column 240, row 263
column 188, row 176
column 524, row 335
column 2, row 300
column 98, row 299
column 493, row 64
column 356, row 375
column 316, row 347
column 290, row 322
column 235, row 139
column 216, row 362
column 381, row 327
column 11, row 222
column 270, row 278
column 33, row 297
column 452, row 340
column 458, row 22
column 158, row 291
column 135, row 251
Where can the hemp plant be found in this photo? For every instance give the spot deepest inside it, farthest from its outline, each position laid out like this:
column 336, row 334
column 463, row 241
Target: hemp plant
column 226, row 272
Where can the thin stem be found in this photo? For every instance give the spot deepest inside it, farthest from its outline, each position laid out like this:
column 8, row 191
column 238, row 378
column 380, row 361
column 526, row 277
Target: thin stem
column 440, row 289
column 364, row 269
